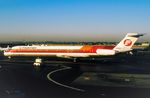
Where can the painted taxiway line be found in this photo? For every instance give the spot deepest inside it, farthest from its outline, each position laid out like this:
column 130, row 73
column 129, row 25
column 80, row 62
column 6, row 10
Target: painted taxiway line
column 1, row 68
column 66, row 86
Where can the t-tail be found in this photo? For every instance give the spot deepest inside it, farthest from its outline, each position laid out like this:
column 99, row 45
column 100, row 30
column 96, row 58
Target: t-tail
column 126, row 44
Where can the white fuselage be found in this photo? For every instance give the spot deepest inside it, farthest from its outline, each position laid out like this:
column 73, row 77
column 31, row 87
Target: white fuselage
column 60, row 51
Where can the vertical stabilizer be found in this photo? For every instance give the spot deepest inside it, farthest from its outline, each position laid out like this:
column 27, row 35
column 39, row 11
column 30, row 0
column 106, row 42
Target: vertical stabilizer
column 127, row 43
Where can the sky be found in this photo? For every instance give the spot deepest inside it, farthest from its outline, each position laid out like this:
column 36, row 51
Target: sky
column 73, row 20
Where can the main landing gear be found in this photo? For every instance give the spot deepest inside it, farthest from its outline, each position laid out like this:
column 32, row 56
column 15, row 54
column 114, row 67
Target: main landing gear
column 9, row 57
column 38, row 62
column 74, row 60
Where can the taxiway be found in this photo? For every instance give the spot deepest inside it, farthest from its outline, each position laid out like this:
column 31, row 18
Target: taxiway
column 64, row 79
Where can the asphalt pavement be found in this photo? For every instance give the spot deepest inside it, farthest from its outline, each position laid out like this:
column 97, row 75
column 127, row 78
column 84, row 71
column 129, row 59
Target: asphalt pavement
column 60, row 78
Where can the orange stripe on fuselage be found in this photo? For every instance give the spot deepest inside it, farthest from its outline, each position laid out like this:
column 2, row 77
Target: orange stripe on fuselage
column 93, row 48
column 84, row 49
column 87, row 48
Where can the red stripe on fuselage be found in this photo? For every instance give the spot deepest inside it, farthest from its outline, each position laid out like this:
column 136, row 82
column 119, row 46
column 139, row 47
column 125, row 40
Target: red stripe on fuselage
column 84, row 49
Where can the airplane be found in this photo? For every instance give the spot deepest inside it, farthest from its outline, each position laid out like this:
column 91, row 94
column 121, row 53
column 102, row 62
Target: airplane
column 82, row 51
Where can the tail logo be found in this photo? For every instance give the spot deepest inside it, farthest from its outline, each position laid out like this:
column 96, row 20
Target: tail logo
column 127, row 42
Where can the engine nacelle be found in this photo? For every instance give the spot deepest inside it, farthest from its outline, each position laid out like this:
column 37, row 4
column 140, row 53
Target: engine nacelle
column 105, row 52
